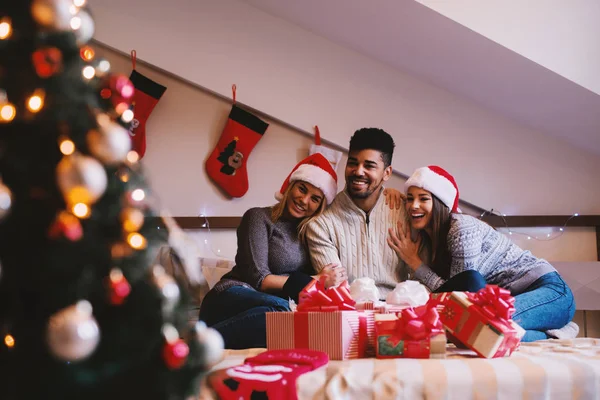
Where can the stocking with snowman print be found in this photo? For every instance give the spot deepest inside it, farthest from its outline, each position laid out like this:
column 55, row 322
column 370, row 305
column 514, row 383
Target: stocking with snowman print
column 226, row 165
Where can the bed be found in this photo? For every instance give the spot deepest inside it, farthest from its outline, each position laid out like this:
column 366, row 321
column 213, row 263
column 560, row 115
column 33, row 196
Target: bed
column 556, row 369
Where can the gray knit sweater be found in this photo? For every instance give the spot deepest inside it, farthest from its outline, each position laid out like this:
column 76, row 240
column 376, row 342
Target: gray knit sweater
column 265, row 248
column 475, row 245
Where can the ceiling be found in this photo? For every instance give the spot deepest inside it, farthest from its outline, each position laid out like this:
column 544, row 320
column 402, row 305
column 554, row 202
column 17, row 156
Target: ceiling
column 416, row 39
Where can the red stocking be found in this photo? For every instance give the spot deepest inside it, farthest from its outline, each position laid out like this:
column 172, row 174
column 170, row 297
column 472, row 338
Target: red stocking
column 146, row 96
column 226, row 165
column 270, row 375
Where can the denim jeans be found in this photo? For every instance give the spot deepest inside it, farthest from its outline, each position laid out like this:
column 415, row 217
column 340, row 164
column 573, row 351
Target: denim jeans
column 238, row 313
column 466, row 281
column 547, row 303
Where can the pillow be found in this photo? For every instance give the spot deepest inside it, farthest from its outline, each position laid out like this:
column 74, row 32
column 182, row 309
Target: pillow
column 214, row 268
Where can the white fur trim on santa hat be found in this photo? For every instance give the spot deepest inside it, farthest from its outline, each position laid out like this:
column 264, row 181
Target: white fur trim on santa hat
column 435, row 183
column 317, row 177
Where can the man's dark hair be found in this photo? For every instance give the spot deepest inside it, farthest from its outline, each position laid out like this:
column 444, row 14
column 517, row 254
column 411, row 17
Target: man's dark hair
column 374, row 139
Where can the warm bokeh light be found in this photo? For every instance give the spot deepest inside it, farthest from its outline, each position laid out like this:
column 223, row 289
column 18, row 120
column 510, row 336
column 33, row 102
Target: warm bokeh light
column 5, row 28
column 35, row 102
column 67, row 147
column 7, row 112
column 89, row 72
column 138, row 195
column 121, row 108
column 127, row 116
column 79, row 3
column 75, row 23
column 87, row 53
column 133, row 156
column 9, row 341
column 136, row 241
column 81, row 210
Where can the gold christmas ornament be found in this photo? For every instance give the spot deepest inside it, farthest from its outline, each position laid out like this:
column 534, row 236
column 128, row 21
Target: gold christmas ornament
column 132, row 219
column 81, row 179
column 52, row 14
column 73, row 333
column 110, row 142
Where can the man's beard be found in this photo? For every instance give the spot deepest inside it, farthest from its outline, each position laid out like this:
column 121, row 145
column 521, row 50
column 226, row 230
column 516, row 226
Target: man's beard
column 362, row 195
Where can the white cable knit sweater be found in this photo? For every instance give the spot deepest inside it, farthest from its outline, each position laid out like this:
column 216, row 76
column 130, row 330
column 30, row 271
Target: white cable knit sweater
column 344, row 234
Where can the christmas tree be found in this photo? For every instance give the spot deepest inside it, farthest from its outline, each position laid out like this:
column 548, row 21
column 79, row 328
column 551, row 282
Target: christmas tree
column 85, row 310
column 224, row 158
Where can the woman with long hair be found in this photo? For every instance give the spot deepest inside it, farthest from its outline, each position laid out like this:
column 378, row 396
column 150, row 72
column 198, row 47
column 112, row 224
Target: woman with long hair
column 272, row 263
column 449, row 251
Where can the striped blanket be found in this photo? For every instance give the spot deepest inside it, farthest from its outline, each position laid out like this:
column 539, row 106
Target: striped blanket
column 555, row 369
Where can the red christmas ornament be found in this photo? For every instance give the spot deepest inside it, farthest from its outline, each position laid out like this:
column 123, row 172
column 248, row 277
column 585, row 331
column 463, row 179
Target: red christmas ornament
column 66, row 225
column 47, row 61
column 118, row 287
column 175, row 353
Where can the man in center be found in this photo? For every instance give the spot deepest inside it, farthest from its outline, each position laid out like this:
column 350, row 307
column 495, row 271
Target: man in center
column 353, row 231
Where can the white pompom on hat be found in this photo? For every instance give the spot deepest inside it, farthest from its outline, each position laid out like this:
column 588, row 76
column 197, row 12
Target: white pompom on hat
column 439, row 182
column 316, row 170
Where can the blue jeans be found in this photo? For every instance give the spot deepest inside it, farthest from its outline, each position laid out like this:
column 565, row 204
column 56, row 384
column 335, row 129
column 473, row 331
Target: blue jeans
column 238, row 313
column 547, row 303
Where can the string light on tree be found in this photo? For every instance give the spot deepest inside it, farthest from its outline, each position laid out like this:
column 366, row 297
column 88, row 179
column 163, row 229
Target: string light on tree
column 67, row 147
column 36, row 101
column 9, row 341
column 81, row 210
column 137, row 241
column 5, row 28
column 133, row 157
column 88, row 72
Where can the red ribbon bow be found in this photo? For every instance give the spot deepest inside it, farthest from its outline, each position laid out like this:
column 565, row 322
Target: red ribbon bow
column 418, row 323
column 494, row 302
column 314, row 297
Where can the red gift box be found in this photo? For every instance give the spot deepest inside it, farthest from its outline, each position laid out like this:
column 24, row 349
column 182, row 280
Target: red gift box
column 412, row 333
column 482, row 321
column 341, row 334
column 325, row 320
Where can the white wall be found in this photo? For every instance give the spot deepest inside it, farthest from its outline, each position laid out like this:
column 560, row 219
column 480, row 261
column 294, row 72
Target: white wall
column 304, row 80
column 186, row 124
column 563, row 36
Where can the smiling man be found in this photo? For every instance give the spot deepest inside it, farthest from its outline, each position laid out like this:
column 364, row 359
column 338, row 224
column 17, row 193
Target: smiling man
column 353, row 231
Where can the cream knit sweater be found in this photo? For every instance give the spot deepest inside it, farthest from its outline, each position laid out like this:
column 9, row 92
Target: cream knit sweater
column 346, row 235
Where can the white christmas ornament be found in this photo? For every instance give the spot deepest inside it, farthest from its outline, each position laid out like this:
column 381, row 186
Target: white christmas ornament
column 53, row 14
column 73, row 333
column 364, row 289
column 211, row 344
column 110, row 142
column 168, row 288
column 5, row 200
column 86, row 28
column 81, row 179
column 408, row 294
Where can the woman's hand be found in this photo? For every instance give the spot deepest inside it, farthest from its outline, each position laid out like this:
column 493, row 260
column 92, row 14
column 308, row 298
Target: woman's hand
column 405, row 247
column 393, row 198
column 332, row 275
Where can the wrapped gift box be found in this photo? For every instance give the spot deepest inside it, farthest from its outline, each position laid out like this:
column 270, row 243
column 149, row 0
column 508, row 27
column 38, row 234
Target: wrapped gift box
column 341, row 334
column 482, row 321
column 394, row 337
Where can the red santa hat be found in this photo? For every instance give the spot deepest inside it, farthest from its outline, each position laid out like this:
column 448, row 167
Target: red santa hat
column 316, row 170
column 437, row 181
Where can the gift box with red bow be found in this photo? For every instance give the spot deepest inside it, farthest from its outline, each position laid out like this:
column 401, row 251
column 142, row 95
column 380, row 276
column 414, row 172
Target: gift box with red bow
column 325, row 320
column 411, row 333
column 482, row 321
